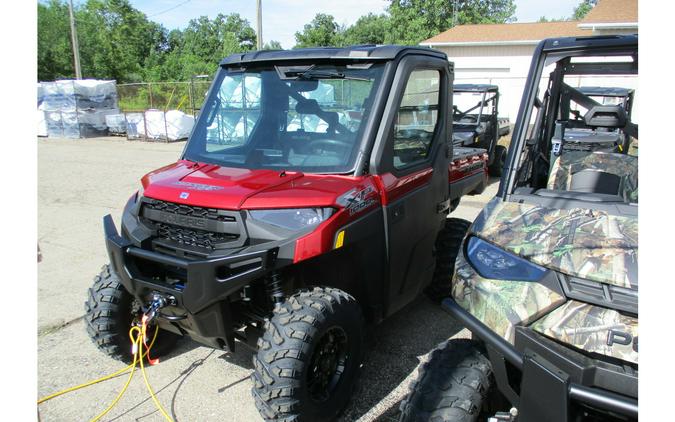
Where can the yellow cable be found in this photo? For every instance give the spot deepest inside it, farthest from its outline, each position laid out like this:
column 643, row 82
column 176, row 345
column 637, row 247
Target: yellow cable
column 147, row 384
column 96, row 381
column 135, row 342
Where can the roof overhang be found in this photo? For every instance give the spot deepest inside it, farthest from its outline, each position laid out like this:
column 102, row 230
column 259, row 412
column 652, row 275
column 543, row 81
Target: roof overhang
column 608, row 25
column 478, row 43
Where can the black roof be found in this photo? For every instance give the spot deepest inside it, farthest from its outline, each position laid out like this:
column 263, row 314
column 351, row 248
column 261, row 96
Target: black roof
column 598, row 41
column 474, row 88
column 368, row 52
column 601, row 91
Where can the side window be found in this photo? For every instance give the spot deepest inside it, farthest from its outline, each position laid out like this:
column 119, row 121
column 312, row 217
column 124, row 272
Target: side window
column 417, row 118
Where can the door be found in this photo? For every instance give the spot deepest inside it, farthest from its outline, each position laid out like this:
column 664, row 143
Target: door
column 412, row 168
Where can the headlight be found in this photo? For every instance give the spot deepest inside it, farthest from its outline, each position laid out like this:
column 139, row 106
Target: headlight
column 492, row 262
column 293, row 219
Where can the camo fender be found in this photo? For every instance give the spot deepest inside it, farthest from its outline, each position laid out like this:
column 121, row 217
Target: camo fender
column 501, row 304
column 592, row 329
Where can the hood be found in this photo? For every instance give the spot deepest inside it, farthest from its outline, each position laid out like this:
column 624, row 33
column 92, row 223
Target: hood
column 212, row 186
column 578, row 242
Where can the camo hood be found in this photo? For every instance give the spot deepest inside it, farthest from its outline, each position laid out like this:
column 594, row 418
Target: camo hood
column 585, row 243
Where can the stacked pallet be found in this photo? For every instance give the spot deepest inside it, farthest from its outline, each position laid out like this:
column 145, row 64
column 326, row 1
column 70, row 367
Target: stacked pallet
column 75, row 108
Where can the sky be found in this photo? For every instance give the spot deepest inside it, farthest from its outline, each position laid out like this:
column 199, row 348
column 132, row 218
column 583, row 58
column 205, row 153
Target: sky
column 281, row 19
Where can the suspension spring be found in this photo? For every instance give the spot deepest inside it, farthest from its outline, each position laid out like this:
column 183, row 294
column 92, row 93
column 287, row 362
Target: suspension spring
column 274, row 288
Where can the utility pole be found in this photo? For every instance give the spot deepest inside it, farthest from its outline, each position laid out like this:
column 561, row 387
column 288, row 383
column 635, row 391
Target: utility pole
column 76, row 47
column 259, row 16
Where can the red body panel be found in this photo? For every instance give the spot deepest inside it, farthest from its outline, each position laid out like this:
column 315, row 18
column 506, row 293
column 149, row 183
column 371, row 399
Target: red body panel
column 395, row 187
column 321, row 240
column 468, row 166
column 212, row 186
column 234, row 188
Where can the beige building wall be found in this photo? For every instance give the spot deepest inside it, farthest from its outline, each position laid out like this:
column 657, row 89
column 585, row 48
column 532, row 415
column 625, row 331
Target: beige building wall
column 506, row 66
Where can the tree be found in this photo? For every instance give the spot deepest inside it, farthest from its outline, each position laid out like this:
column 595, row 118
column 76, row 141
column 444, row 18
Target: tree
column 116, row 39
column 583, row 8
column 199, row 48
column 322, row 31
column 369, row 29
column 545, row 19
column 273, row 45
column 119, row 42
column 54, row 51
column 413, row 21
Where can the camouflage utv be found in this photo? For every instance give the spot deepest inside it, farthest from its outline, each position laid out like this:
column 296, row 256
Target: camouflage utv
column 546, row 279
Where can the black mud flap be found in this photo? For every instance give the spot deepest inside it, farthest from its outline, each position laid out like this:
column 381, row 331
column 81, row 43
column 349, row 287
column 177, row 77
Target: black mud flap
column 543, row 392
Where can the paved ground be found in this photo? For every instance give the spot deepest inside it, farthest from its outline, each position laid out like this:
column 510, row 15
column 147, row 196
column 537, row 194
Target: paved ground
column 79, row 182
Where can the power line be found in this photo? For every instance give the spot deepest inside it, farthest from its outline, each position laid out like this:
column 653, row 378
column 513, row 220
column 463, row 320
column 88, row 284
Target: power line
column 169, row 9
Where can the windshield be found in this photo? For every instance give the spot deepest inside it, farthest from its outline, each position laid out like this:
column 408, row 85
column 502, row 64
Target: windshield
column 582, row 145
column 469, row 108
column 306, row 118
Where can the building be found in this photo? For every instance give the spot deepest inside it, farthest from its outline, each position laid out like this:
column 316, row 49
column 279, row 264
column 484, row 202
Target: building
column 500, row 54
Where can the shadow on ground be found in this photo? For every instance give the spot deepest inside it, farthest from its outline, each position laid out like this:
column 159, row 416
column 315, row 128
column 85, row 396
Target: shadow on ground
column 394, row 353
column 395, row 349
column 180, row 379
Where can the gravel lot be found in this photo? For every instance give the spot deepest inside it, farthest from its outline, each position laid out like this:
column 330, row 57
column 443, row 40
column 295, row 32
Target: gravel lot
column 79, row 181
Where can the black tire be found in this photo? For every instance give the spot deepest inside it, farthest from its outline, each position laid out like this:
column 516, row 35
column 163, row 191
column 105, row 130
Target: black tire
column 454, row 385
column 109, row 314
column 286, row 363
column 495, row 169
column 448, row 245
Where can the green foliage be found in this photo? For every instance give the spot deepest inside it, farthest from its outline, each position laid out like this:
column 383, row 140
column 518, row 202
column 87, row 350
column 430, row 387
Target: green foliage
column 413, row 21
column 200, row 46
column 119, row 42
column 545, row 19
column 55, row 58
column 115, row 39
column 368, row 29
column 273, row 45
column 583, row 8
column 322, row 31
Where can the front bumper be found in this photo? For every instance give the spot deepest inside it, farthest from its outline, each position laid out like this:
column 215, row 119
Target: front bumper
column 547, row 381
column 204, row 298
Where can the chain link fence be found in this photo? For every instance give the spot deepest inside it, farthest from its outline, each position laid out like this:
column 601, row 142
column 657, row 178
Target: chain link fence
column 184, row 96
column 147, row 107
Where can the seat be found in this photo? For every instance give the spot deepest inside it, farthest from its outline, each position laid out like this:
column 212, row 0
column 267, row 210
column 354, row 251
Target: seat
column 596, row 172
column 595, row 181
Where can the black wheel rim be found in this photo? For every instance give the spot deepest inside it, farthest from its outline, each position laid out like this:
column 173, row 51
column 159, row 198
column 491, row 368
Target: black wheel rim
column 328, row 364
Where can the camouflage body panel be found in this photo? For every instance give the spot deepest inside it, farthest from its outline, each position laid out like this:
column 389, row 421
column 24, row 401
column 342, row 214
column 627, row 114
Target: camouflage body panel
column 633, row 147
column 622, row 165
column 592, row 329
column 579, row 242
column 501, row 304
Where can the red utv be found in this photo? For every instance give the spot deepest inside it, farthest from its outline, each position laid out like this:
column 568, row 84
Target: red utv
column 311, row 199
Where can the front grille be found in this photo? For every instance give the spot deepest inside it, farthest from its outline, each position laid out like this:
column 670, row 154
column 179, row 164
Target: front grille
column 192, row 227
column 193, row 237
column 602, row 294
column 189, row 210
